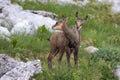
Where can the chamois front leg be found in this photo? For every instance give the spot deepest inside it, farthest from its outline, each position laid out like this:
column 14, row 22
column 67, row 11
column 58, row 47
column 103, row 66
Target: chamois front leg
column 53, row 53
column 68, row 54
column 76, row 56
column 60, row 58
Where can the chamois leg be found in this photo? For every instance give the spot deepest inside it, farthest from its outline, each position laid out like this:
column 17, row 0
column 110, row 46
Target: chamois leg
column 53, row 53
column 76, row 56
column 60, row 58
column 68, row 54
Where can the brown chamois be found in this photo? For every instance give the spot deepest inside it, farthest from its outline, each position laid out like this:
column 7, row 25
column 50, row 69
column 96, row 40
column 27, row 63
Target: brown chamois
column 74, row 38
column 72, row 35
column 59, row 43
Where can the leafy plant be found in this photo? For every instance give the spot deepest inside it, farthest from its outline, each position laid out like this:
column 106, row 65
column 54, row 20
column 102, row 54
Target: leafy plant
column 4, row 44
column 43, row 33
column 110, row 56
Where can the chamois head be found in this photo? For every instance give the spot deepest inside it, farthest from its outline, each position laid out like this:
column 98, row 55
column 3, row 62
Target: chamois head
column 60, row 23
column 79, row 21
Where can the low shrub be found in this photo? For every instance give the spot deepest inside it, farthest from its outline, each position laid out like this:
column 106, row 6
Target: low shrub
column 111, row 56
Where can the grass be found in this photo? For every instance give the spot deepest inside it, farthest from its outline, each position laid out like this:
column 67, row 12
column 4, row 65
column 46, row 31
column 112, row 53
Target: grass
column 99, row 30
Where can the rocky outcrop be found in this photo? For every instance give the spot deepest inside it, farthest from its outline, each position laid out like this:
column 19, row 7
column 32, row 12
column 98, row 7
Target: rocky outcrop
column 17, row 20
column 6, row 64
column 4, row 33
column 25, row 27
column 11, row 69
column 115, row 5
column 44, row 13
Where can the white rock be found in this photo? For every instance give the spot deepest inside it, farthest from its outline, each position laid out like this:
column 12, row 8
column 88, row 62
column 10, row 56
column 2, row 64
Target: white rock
column 6, row 64
column 2, row 16
column 79, row 3
column 4, row 2
column 117, row 72
column 12, row 12
column 4, row 32
column 23, row 71
column 17, row 15
column 23, row 27
column 6, row 23
column 66, row 1
column 115, row 5
column 91, row 49
column 82, row 3
column 42, row 1
column 11, row 69
column 16, row 19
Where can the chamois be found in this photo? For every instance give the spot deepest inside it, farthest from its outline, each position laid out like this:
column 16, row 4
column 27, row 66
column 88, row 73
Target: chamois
column 74, row 40
column 59, row 43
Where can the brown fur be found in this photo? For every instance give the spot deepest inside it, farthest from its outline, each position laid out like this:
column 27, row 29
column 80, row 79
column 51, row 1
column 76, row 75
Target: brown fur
column 58, row 43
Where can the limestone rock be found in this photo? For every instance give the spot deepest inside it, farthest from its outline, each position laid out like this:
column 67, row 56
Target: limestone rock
column 11, row 69
column 91, row 49
column 23, row 71
column 117, row 72
column 4, row 33
column 6, row 64
column 23, row 27
column 14, row 18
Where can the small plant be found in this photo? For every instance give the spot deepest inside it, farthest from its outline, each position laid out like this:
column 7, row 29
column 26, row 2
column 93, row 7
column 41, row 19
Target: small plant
column 43, row 33
column 107, row 73
column 14, row 41
column 109, row 55
column 114, row 39
column 4, row 44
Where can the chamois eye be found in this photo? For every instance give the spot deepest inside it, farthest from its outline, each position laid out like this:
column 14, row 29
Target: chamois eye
column 77, row 27
column 56, row 23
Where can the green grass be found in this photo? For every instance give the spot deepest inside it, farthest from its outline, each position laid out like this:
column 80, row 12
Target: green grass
column 99, row 30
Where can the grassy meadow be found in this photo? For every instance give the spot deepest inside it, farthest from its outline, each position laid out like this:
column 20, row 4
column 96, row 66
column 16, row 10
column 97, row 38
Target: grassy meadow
column 102, row 30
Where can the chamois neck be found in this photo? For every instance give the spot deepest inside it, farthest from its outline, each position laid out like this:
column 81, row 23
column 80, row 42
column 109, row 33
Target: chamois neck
column 79, row 28
column 65, row 28
column 70, row 34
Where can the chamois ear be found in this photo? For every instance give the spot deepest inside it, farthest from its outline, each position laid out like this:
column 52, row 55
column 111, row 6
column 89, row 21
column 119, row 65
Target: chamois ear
column 66, row 20
column 63, row 18
column 76, row 14
column 86, row 17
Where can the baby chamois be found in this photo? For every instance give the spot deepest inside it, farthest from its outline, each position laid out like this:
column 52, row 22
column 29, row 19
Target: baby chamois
column 59, row 43
column 74, row 39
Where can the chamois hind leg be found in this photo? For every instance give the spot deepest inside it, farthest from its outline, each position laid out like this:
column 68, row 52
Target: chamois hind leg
column 60, row 58
column 68, row 54
column 76, row 56
column 53, row 53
